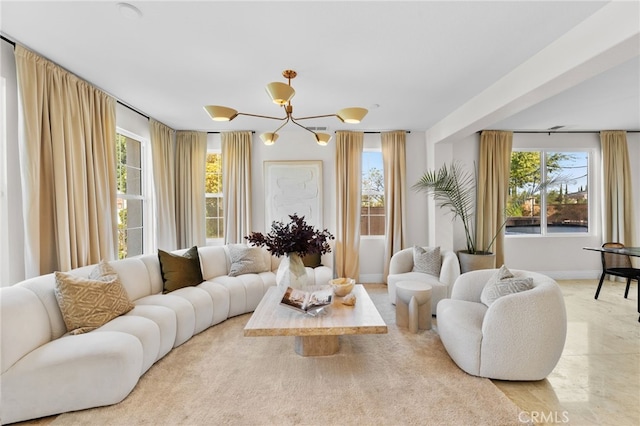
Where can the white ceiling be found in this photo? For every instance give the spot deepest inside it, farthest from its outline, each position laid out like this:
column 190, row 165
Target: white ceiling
column 419, row 60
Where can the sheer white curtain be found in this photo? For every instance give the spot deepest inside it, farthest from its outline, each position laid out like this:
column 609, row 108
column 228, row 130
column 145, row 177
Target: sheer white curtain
column 618, row 221
column 163, row 154
column 349, row 198
column 236, row 185
column 68, row 166
column 191, row 158
column 492, row 187
column 395, row 170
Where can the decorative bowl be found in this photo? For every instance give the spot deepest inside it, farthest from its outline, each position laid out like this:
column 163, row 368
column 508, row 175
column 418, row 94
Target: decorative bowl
column 342, row 286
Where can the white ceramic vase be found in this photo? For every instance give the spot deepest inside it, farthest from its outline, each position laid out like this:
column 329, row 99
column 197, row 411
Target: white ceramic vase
column 292, row 273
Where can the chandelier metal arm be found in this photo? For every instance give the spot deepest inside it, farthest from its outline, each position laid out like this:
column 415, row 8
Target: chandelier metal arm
column 281, row 94
column 284, row 124
column 298, row 124
column 314, row 116
column 264, row 116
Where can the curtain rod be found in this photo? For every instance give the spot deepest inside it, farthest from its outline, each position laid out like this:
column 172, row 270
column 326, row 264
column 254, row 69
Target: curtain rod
column 555, row 131
column 11, row 42
column 224, row 131
column 133, row 109
column 383, row 131
column 253, row 131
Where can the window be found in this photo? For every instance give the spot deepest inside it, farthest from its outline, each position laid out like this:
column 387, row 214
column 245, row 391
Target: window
column 372, row 204
column 213, row 187
column 548, row 193
column 4, row 203
column 130, row 199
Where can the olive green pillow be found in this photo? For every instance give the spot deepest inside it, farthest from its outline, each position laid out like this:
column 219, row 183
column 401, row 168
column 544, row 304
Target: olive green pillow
column 86, row 303
column 180, row 271
column 312, row 260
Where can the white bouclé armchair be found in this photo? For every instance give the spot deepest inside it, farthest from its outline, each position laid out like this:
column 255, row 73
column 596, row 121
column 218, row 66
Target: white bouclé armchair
column 401, row 269
column 519, row 336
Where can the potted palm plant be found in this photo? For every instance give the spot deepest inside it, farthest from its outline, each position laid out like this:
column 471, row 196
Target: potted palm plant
column 453, row 187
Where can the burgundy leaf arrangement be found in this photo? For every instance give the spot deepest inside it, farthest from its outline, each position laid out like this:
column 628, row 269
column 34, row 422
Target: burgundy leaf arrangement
column 294, row 237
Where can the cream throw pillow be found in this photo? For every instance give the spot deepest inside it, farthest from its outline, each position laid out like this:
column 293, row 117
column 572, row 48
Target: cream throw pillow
column 245, row 260
column 87, row 303
column 502, row 283
column 427, row 260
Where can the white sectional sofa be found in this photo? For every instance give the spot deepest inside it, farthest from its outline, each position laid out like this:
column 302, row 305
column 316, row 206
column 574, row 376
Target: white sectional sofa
column 47, row 371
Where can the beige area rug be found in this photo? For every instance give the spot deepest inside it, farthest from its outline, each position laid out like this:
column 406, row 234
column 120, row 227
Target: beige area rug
column 220, row 377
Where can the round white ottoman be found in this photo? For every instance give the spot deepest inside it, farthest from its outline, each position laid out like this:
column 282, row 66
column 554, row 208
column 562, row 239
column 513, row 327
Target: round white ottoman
column 413, row 305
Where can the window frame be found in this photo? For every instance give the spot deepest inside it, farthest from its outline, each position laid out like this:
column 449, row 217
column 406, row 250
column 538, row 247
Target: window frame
column 591, row 193
column 220, row 196
column 146, row 189
column 376, row 236
column 4, row 201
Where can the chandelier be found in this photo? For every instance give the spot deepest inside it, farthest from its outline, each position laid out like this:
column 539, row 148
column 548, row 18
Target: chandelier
column 281, row 94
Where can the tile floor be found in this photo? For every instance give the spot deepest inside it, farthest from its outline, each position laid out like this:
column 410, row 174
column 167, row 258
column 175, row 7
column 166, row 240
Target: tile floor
column 597, row 380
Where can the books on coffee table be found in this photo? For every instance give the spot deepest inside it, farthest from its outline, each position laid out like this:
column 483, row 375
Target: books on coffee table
column 306, row 301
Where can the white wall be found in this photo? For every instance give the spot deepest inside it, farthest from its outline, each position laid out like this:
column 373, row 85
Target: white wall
column 560, row 257
column 300, row 145
column 13, row 260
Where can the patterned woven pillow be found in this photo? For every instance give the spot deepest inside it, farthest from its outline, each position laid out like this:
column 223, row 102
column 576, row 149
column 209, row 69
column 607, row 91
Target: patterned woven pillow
column 245, row 260
column 86, row 303
column 427, row 260
column 502, row 283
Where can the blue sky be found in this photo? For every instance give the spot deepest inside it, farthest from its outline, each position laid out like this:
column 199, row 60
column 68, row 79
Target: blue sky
column 371, row 159
column 575, row 169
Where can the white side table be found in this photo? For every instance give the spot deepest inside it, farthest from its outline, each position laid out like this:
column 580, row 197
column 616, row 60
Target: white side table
column 413, row 305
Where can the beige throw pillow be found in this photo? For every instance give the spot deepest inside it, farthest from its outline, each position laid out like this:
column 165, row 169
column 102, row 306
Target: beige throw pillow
column 502, row 283
column 180, row 271
column 86, row 303
column 427, row 260
column 245, row 260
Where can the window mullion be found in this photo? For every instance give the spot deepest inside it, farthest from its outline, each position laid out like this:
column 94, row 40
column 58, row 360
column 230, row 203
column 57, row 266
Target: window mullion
column 543, row 193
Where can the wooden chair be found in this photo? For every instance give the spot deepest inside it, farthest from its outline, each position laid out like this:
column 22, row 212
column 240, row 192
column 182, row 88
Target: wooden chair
column 618, row 265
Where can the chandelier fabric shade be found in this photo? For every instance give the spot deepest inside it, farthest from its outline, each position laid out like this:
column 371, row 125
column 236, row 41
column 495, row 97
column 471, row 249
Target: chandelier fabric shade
column 323, row 138
column 281, row 94
column 352, row 115
column 220, row 113
column 269, row 138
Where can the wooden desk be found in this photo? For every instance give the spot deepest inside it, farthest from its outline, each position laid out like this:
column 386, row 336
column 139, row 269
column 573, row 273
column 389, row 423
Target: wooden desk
column 315, row 336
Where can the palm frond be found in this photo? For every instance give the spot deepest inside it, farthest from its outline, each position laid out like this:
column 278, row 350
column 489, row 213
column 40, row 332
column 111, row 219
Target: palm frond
column 452, row 188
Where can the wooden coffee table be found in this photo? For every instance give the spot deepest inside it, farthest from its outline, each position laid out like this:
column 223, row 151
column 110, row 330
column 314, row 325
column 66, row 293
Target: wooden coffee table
column 315, row 336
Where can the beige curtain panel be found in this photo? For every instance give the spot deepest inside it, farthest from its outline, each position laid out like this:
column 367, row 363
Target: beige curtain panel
column 395, row 170
column 349, row 194
column 67, row 156
column 236, row 185
column 494, row 166
column 191, row 159
column 618, row 218
column 163, row 155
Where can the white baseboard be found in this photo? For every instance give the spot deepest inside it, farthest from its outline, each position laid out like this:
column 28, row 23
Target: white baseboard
column 573, row 275
column 371, row 278
column 556, row 275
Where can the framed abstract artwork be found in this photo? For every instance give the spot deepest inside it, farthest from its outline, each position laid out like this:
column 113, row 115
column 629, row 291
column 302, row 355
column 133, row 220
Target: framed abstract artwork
column 293, row 187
